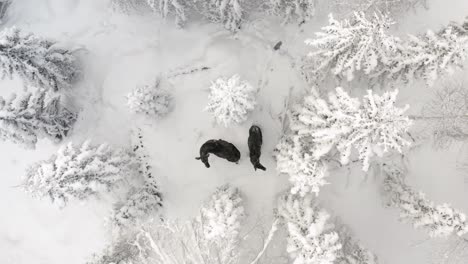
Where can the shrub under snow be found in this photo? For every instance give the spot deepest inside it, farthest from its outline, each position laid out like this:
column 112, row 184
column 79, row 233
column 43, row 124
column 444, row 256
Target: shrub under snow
column 78, row 172
column 231, row 100
column 151, row 100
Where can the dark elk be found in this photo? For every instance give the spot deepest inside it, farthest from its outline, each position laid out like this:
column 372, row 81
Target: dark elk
column 255, row 146
column 220, row 148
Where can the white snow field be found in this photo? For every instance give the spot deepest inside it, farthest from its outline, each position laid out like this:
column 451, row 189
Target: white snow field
column 121, row 52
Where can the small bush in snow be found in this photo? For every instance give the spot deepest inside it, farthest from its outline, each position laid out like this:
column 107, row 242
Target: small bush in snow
column 25, row 118
column 231, row 100
column 150, row 100
column 438, row 220
column 38, row 61
column 311, row 238
column 78, row 172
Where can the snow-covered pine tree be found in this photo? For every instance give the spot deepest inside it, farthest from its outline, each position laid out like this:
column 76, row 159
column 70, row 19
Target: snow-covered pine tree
column 222, row 214
column 151, row 100
column 231, row 100
column 33, row 115
column 352, row 251
column 373, row 126
column 220, row 220
column 306, row 174
column 429, row 56
column 38, row 61
column 346, row 47
column 438, row 220
column 299, row 11
column 121, row 251
column 311, row 238
column 363, row 46
column 176, row 8
column 79, row 172
column 129, row 6
column 144, row 200
column 226, row 12
column 393, row 7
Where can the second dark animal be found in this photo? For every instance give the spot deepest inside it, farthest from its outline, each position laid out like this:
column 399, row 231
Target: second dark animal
column 220, row 148
column 255, row 142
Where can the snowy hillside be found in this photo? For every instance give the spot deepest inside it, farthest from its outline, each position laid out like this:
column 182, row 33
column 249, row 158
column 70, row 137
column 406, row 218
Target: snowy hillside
column 132, row 78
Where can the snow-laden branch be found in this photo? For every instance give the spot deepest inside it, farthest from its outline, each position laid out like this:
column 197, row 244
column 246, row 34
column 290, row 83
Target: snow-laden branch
column 438, row 220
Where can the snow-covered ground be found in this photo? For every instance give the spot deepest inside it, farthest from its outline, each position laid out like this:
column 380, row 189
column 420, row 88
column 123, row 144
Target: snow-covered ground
column 121, row 52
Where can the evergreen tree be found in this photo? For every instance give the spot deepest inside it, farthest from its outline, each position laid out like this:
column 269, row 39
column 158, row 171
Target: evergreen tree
column 231, row 100
column 226, row 12
column 306, row 174
column 311, row 238
column 353, row 252
column 25, row 118
column 176, row 8
column 364, row 46
column 299, row 11
column 349, row 46
column 38, row 61
column 438, row 220
column 78, row 172
column 393, row 7
column 373, row 126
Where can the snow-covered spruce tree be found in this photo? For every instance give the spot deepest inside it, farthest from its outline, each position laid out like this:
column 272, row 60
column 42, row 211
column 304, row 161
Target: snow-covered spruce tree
column 151, row 100
column 298, row 11
column 220, row 219
column 33, row 115
column 226, row 12
column 352, row 251
column 306, row 174
column 38, row 61
column 128, row 6
column 372, row 126
column 429, row 56
column 346, row 47
column 310, row 237
column 143, row 200
column 122, row 251
column 78, row 172
column 393, row 7
column 166, row 8
column 231, row 100
column 222, row 214
column 438, row 220
column 363, row 46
